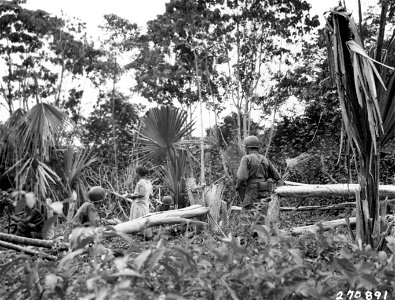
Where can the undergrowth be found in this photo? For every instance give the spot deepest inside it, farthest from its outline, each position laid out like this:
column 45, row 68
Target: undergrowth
column 247, row 261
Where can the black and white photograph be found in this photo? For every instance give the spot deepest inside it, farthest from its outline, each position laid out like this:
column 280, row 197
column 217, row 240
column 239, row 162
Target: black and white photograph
column 197, row 150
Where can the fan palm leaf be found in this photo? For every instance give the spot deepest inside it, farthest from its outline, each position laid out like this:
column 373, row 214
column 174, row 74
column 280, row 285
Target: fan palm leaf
column 31, row 138
column 162, row 132
column 74, row 163
column 38, row 131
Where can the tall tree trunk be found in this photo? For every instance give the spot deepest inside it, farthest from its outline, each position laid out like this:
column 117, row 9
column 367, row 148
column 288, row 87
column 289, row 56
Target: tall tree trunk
column 383, row 21
column 245, row 118
column 360, row 22
column 239, row 103
column 217, row 129
column 9, row 96
column 239, row 139
column 114, row 133
column 202, row 168
column 57, row 100
column 272, row 128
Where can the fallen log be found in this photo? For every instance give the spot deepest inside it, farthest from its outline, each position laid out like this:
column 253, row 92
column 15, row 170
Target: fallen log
column 26, row 250
column 325, row 225
column 318, row 207
column 339, row 190
column 295, row 183
column 315, row 207
column 25, row 241
column 308, row 208
column 176, row 216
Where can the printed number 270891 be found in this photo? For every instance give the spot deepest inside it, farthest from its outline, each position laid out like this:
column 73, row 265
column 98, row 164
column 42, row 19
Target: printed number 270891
column 350, row 295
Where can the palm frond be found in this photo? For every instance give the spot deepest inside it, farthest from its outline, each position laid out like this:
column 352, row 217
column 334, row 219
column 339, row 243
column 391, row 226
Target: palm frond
column 36, row 173
column 74, row 163
column 39, row 130
column 387, row 108
column 162, row 131
column 175, row 174
column 368, row 111
column 9, row 145
column 355, row 76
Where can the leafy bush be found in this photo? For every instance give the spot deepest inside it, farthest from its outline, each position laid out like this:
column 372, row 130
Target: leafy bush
column 252, row 263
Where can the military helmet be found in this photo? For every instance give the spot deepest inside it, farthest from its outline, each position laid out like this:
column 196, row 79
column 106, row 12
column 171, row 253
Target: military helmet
column 251, row 142
column 96, row 194
column 167, row 200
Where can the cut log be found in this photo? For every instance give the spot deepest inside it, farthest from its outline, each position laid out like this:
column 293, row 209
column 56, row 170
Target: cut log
column 339, row 190
column 326, row 226
column 318, row 207
column 175, row 216
column 273, row 212
column 25, row 241
column 26, row 250
column 142, row 223
column 295, row 183
column 308, row 208
column 213, row 199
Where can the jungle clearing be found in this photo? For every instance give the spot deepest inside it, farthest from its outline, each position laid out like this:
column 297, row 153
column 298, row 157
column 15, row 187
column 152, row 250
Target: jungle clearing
column 122, row 157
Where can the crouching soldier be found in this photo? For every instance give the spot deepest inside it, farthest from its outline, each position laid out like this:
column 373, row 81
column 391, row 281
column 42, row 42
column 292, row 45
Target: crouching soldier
column 167, row 204
column 87, row 214
column 31, row 225
column 255, row 175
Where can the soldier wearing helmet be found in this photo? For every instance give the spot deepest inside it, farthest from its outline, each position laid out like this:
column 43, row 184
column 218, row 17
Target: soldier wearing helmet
column 87, row 214
column 255, row 174
column 167, row 204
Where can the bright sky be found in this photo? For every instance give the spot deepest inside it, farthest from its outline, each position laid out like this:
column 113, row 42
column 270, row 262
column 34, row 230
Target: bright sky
column 139, row 11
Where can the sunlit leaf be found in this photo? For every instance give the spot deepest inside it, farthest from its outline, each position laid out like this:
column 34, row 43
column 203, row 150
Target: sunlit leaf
column 73, row 196
column 50, row 281
column 57, row 207
column 140, row 260
column 80, row 237
column 68, row 258
column 127, row 272
column 30, row 199
column 346, row 267
column 121, row 262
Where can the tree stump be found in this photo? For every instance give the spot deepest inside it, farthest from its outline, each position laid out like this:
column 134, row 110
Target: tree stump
column 273, row 211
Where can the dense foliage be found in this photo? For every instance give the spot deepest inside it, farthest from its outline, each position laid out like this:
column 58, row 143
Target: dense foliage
column 206, row 265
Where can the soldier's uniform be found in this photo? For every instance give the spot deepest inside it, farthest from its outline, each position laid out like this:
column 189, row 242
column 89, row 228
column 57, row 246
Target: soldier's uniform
column 87, row 214
column 32, row 225
column 167, row 204
column 256, row 175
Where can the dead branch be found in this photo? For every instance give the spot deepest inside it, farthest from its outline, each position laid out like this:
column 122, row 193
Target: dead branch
column 325, row 225
column 25, row 241
column 26, row 250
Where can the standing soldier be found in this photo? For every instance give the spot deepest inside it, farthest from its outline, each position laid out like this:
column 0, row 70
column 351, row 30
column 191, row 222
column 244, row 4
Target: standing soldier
column 255, row 174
